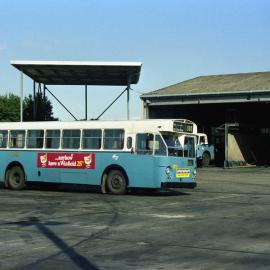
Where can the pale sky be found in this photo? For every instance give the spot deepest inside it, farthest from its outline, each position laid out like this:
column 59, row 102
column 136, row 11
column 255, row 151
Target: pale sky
column 175, row 40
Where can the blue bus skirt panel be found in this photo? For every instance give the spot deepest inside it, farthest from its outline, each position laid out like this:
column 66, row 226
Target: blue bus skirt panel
column 146, row 171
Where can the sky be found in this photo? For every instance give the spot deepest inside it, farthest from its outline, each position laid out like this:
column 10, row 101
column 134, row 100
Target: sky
column 175, row 40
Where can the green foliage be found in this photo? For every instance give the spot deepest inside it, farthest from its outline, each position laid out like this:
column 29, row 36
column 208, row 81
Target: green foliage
column 43, row 109
column 9, row 108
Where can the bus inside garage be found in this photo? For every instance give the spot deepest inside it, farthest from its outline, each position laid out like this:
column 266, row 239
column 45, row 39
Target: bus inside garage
column 233, row 110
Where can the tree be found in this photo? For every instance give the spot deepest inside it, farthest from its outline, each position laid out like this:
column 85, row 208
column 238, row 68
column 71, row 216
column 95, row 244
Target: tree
column 9, row 108
column 43, row 109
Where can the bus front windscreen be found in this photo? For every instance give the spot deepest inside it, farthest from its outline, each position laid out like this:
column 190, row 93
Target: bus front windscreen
column 173, row 144
column 183, row 146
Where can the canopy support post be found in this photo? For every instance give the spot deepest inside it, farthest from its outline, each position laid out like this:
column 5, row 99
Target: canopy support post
column 128, row 105
column 38, row 105
column 21, row 98
column 85, row 97
column 44, row 99
column 44, row 92
column 34, row 101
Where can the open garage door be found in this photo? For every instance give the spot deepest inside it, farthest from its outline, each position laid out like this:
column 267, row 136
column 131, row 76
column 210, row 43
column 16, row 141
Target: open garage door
column 246, row 145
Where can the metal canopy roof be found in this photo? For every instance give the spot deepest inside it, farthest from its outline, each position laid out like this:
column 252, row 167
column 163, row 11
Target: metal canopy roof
column 80, row 72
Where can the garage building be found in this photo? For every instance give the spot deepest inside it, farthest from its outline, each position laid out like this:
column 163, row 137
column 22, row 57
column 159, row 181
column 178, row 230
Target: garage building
column 233, row 110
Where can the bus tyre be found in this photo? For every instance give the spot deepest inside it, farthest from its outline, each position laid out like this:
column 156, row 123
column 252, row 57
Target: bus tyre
column 16, row 178
column 116, row 183
column 205, row 160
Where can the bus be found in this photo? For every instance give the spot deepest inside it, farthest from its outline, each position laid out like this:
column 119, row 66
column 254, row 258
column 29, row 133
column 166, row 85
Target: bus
column 114, row 155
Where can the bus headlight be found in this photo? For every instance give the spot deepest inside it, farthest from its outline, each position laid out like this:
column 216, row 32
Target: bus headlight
column 168, row 170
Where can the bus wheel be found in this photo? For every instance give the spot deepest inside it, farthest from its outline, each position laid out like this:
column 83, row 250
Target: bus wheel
column 16, row 178
column 205, row 159
column 116, row 183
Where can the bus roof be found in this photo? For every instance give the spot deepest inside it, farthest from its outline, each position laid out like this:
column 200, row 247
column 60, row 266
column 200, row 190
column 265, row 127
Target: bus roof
column 149, row 125
column 80, row 72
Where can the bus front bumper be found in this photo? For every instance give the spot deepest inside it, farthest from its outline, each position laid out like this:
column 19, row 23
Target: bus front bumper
column 178, row 185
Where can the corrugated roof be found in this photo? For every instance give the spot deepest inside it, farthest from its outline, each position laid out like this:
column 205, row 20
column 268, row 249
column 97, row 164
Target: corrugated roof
column 217, row 84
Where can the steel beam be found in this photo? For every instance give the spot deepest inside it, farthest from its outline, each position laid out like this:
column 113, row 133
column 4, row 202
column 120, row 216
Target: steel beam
column 85, row 97
column 21, row 98
column 34, row 101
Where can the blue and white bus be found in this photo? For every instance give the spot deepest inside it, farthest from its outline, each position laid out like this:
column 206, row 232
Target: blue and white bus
column 115, row 155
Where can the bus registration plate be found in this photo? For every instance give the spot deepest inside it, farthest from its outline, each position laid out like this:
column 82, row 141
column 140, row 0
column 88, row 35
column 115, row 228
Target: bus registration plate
column 182, row 173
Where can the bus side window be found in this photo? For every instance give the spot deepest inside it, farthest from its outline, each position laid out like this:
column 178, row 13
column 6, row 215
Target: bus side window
column 202, row 140
column 17, row 139
column 3, row 138
column 144, row 143
column 113, row 139
column 35, row 138
column 91, row 139
column 71, row 138
column 53, row 139
column 129, row 142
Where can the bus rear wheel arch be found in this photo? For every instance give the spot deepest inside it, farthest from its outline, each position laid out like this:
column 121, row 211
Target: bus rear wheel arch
column 15, row 177
column 115, row 181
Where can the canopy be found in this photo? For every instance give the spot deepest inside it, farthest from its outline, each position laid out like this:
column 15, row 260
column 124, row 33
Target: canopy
column 80, row 72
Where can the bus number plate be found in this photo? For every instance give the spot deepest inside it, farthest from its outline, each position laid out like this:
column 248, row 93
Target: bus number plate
column 182, row 173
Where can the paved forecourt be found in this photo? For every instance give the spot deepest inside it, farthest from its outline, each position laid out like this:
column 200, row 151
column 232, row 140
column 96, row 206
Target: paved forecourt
column 222, row 224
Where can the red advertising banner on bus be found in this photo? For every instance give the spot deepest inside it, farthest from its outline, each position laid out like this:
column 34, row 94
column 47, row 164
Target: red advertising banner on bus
column 66, row 160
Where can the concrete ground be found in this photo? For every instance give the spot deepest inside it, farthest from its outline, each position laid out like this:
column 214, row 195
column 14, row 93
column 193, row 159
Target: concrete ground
column 222, row 224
